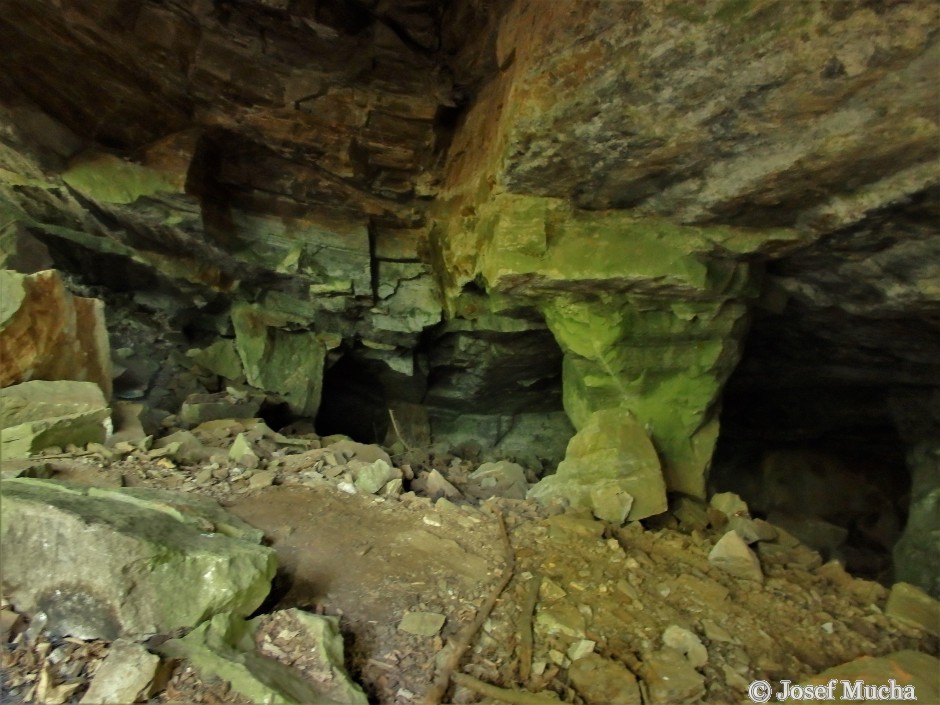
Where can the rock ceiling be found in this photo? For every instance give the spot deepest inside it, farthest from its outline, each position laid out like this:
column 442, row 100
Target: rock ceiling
column 445, row 187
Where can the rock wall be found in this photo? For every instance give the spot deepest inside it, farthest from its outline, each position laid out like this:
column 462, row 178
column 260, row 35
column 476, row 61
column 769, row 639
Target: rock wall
column 488, row 212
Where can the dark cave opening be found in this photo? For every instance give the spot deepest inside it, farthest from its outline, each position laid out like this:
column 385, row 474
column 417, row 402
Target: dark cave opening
column 353, row 401
column 819, row 456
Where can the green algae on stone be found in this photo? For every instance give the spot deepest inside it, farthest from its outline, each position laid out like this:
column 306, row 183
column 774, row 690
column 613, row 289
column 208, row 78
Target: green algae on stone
column 278, row 360
column 103, row 566
column 110, row 179
column 611, row 456
column 224, row 647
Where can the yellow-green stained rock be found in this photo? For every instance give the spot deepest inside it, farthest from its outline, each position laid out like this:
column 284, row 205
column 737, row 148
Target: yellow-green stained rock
column 110, row 179
column 287, row 363
column 111, row 563
column 611, row 456
column 224, row 647
column 39, row 414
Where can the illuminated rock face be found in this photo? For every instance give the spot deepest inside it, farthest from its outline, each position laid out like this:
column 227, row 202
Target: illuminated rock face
column 498, row 210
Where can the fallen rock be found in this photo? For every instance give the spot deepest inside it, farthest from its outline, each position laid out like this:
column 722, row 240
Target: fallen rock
column 729, row 504
column 124, row 676
column 733, row 556
column 910, row 604
column 671, row 679
column 225, row 647
column 436, row 485
column 47, row 333
column 242, row 452
column 687, row 643
column 39, row 414
column 199, row 408
column 897, row 677
column 126, row 562
column 371, row 478
column 421, row 623
column 614, row 452
column 364, row 452
column 184, row 447
column 601, row 681
column 500, row 479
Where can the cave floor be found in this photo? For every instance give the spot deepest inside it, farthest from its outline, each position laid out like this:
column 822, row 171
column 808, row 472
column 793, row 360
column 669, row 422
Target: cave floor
column 579, row 586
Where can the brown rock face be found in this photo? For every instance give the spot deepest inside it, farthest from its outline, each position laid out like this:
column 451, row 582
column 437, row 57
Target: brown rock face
column 47, row 333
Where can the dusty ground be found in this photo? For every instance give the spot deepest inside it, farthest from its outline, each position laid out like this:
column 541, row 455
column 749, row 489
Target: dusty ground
column 576, row 585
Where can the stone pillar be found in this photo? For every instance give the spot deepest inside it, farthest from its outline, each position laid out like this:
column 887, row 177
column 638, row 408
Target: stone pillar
column 917, row 553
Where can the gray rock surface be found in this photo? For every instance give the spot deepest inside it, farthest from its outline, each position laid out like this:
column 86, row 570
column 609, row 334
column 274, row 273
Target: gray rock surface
column 113, row 563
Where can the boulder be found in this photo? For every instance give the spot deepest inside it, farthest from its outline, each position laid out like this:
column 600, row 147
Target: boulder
column 39, row 414
column 610, row 455
column 601, row 681
column 126, row 562
column 896, row 677
column 224, row 647
column 124, row 676
column 47, row 333
column 499, row 479
column 733, row 556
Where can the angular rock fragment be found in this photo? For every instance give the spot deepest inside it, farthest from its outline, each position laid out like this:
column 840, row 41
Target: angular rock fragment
column 47, row 333
column 225, row 647
column 612, row 452
column 39, row 414
column 124, row 675
column 126, row 562
column 732, row 555
column 912, row 605
column 601, row 681
column 499, row 479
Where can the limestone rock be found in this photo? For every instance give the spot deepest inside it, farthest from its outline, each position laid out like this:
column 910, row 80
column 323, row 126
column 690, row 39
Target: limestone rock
column 601, row 681
column 499, row 479
column 421, row 623
column 911, row 670
column 612, row 452
column 351, row 450
column 671, row 679
column 289, row 364
column 47, row 333
column 199, row 408
column 221, row 358
column 911, row 604
column 732, row 555
column 224, row 647
column 371, row 478
column 687, row 643
column 38, row 414
column 110, row 563
column 124, row 675
column 729, row 504
column 242, row 452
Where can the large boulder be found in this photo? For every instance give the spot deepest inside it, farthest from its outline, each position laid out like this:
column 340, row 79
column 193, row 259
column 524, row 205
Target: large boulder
column 38, row 414
column 127, row 562
column 47, row 333
column 610, row 463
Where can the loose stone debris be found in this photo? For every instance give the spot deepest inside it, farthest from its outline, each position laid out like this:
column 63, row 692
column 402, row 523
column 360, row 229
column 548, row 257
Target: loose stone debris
column 437, row 596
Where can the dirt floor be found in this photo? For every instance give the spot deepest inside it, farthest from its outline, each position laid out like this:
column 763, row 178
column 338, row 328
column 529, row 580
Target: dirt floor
column 586, row 606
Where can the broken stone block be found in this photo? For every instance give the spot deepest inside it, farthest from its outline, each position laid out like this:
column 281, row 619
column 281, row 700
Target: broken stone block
column 609, row 502
column 812, row 531
column 224, row 647
column 500, row 479
column 671, row 679
column 220, row 358
column 199, row 408
column 733, row 556
column 601, row 681
column 372, row 477
column 687, row 643
column 910, row 604
column 40, row 414
column 287, row 363
column 47, row 333
column 243, row 453
column 897, row 677
column 729, row 504
column 124, row 675
column 611, row 448
column 421, row 623
column 183, row 447
column 436, row 485
column 126, row 562
column 364, row 452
